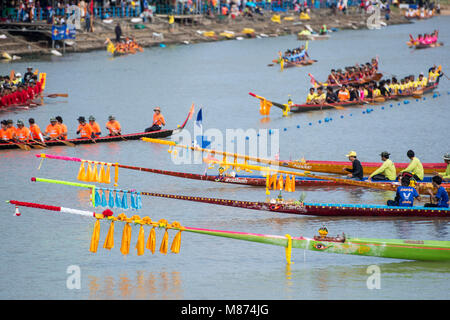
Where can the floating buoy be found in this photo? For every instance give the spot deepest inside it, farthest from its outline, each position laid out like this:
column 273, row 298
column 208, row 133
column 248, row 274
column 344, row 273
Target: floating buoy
column 162, row 45
column 310, row 124
column 17, row 213
column 342, row 117
column 298, row 126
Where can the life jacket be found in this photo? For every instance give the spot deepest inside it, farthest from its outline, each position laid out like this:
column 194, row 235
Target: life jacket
column 23, row 134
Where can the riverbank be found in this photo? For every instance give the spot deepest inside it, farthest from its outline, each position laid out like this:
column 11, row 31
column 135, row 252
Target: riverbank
column 192, row 29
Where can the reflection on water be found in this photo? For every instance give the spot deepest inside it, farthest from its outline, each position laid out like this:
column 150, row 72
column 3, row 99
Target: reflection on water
column 138, row 285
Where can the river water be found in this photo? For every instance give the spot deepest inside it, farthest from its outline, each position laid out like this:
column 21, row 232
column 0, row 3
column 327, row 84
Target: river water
column 39, row 246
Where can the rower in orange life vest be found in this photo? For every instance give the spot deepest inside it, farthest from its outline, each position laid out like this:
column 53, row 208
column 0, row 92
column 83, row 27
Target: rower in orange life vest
column 53, row 130
column 95, row 127
column 113, row 126
column 84, row 129
column 22, row 133
column 158, row 121
column 3, row 131
column 10, row 129
column 35, row 131
column 63, row 127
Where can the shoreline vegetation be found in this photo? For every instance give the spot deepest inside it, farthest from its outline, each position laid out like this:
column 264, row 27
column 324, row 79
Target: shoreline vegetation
column 191, row 29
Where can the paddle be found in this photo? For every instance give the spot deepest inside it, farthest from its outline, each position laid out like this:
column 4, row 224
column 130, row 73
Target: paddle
column 67, row 143
column 54, row 95
column 22, row 146
column 43, row 145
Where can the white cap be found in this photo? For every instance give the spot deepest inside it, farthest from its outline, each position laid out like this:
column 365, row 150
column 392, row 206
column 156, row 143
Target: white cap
column 18, row 74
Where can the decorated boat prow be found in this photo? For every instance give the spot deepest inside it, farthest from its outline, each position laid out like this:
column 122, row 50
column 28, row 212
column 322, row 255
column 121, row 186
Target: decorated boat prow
column 423, row 250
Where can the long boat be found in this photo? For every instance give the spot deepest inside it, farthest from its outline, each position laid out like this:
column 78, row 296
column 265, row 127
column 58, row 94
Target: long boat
column 290, row 64
column 125, row 137
column 423, row 250
column 290, row 206
column 426, row 46
column 296, row 108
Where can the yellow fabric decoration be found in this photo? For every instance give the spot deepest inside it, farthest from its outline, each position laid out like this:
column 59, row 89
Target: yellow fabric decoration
column 109, row 241
column 151, row 242
column 116, row 177
column 101, row 174
column 95, row 236
column 89, row 172
column 164, row 243
column 107, row 176
column 293, row 184
column 140, row 245
column 81, row 172
column 176, row 243
column 280, row 183
column 126, row 237
column 95, row 173
column 288, row 249
column 287, row 185
column 276, row 18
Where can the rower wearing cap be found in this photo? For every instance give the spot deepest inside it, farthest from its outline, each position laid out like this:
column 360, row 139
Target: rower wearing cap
column 113, row 126
column 53, row 130
column 10, row 129
column 95, row 127
column 445, row 175
column 84, row 129
column 415, row 166
column 158, row 121
column 356, row 172
column 35, row 130
column 3, row 131
column 22, row 133
column 63, row 127
column 386, row 171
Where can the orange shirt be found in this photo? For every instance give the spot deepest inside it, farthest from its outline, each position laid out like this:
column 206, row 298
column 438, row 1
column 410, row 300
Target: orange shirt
column 343, row 95
column 63, row 129
column 10, row 132
column 96, row 129
column 3, row 134
column 85, row 130
column 158, row 119
column 23, row 134
column 53, row 131
column 35, row 132
column 113, row 127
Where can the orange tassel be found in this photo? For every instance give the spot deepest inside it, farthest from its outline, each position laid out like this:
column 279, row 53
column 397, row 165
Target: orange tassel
column 176, row 243
column 81, row 172
column 116, row 177
column 107, row 176
column 109, row 241
column 101, row 174
column 293, row 184
column 164, row 243
column 151, row 242
column 126, row 237
column 280, row 183
column 140, row 245
column 95, row 236
column 287, row 185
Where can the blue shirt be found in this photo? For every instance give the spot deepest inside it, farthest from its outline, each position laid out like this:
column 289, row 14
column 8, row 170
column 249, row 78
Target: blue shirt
column 442, row 197
column 406, row 196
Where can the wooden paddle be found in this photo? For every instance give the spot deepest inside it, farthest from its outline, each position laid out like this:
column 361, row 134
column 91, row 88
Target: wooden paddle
column 43, row 145
column 54, row 95
column 22, row 146
column 67, row 143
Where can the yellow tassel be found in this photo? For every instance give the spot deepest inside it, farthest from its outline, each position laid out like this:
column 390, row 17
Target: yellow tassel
column 293, row 184
column 109, row 241
column 95, row 237
column 151, row 242
column 89, row 172
column 164, row 243
column 273, row 181
column 126, row 237
column 101, row 174
column 81, row 172
column 287, row 185
column 140, row 244
column 280, row 183
column 107, row 176
column 116, row 177
column 95, row 173
column 288, row 249
column 175, row 248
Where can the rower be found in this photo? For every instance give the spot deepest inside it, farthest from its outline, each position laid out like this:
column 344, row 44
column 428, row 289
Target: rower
column 323, row 30
column 343, row 94
column 421, row 82
column 63, row 127
column 53, row 130
column 28, row 75
column 405, row 194
column 439, row 200
column 332, row 77
column 84, row 129
column 320, row 96
column 445, row 175
column 158, row 121
column 22, row 133
column 356, row 172
column 10, row 129
column 95, row 127
column 331, row 96
column 113, row 126
column 415, row 167
column 311, row 96
column 386, row 172
column 35, row 130
column 3, row 131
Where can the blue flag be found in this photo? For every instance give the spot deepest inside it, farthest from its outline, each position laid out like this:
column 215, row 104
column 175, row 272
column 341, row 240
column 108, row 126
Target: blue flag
column 200, row 139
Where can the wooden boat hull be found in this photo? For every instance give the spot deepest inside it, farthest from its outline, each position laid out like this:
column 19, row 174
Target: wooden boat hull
column 126, row 137
column 317, row 209
column 426, row 46
column 336, row 167
column 297, row 108
column 289, row 64
column 422, row 250
column 313, row 37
